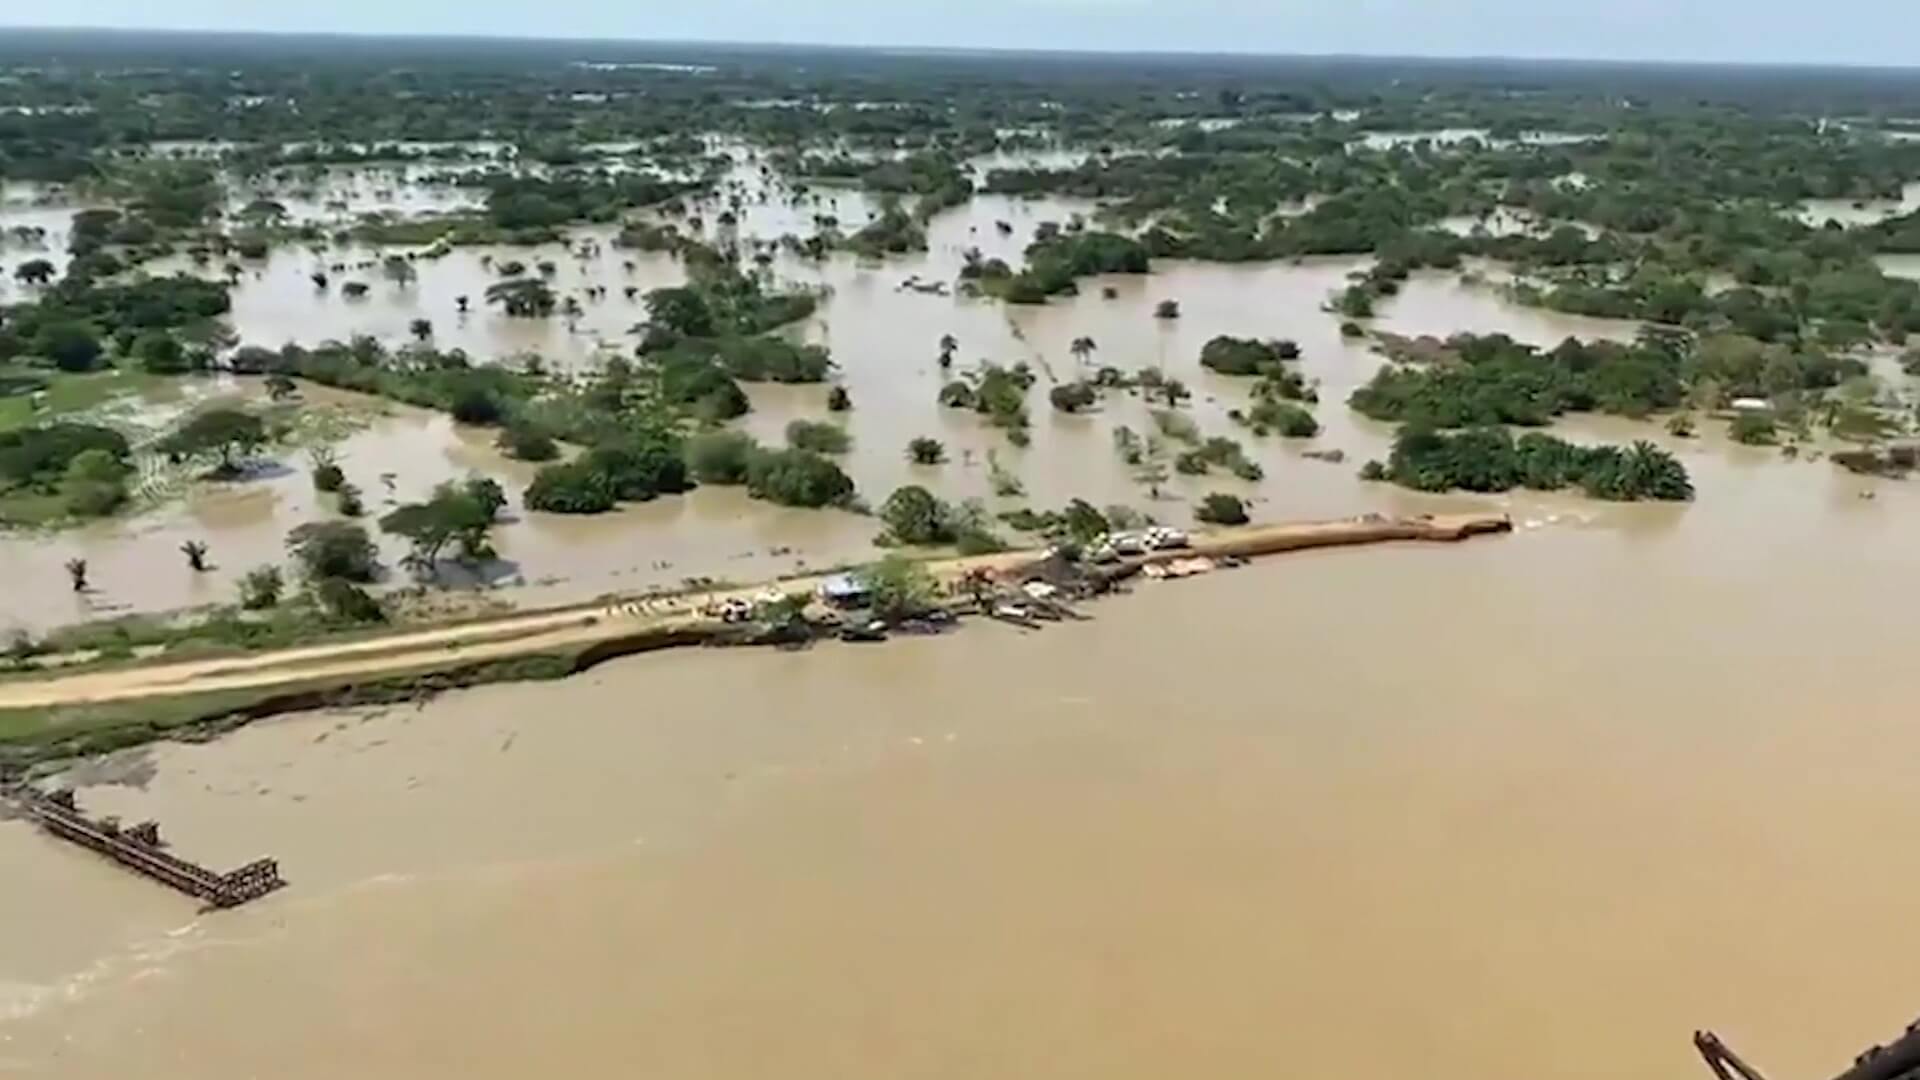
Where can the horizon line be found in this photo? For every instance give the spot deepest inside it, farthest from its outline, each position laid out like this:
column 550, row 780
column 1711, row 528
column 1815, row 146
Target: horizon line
column 961, row 51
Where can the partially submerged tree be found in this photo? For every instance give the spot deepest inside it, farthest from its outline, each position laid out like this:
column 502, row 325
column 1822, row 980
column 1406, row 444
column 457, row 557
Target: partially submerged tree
column 34, row 272
column 461, row 515
column 925, row 451
column 227, row 433
column 524, row 298
column 1219, row 508
column 334, row 549
column 196, row 553
column 261, row 588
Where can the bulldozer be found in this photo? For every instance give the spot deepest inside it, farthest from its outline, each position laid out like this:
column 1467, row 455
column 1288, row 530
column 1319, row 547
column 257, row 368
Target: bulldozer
column 1898, row 1060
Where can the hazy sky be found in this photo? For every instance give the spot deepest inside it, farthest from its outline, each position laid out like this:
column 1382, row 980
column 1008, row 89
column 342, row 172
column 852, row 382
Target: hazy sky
column 1837, row 31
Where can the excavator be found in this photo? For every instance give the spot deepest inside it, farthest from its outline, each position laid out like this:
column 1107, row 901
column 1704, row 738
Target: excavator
column 1898, row 1060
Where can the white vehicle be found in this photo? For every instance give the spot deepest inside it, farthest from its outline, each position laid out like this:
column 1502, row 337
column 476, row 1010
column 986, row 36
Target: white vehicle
column 1162, row 538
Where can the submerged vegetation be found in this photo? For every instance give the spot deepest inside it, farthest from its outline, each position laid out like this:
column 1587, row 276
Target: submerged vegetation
column 683, row 255
column 1491, row 459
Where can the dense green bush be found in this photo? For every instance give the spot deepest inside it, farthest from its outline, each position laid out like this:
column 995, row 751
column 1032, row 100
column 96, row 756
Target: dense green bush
column 1489, row 460
column 42, row 454
column 1072, row 397
column 797, row 478
column 1281, row 417
column 721, row 457
column 915, row 516
column 925, row 451
column 347, row 602
column 261, row 588
column 334, row 549
column 1753, row 428
column 1245, row 356
column 572, row 488
column 1221, row 509
column 526, row 442
column 821, row 438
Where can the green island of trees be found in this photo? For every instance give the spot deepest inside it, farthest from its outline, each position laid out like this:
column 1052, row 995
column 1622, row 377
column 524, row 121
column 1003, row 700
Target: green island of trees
column 1490, row 459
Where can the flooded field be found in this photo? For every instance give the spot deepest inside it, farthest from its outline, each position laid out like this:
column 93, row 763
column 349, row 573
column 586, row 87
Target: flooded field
column 884, row 339
column 1542, row 803
column 1450, row 811
column 1818, row 212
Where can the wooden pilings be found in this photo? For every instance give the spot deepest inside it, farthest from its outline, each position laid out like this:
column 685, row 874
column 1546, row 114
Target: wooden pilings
column 140, row 849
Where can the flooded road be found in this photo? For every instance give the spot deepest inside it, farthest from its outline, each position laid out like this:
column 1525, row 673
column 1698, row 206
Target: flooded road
column 1539, row 805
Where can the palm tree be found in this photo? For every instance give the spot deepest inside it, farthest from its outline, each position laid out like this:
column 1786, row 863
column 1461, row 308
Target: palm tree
column 422, row 329
column 77, row 572
column 948, row 346
column 196, row 553
column 461, row 302
column 1082, row 348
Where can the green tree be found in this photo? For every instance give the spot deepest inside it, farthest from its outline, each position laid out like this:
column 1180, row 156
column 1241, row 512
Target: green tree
column 524, row 298
column 334, row 549
column 399, row 270
column 797, row 478
column 226, row 432
column 34, row 272
column 261, row 588
column 94, row 484
column 1072, row 397
column 913, row 515
column 818, row 437
column 681, row 311
column 196, row 553
column 721, row 457
column 347, row 602
column 454, row 515
column 525, row 442
column 1219, row 508
column 71, row 346
column 901, row 588
column 571, row 488
column 160, row 354
column 926, row 451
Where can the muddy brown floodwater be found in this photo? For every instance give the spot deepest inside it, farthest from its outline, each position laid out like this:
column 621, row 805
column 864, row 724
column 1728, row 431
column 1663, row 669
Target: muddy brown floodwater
column 1532, row 806
column 885, row 341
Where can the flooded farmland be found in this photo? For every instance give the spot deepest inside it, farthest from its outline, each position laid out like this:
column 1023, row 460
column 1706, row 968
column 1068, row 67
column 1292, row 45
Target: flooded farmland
column 1540, row 804
column 884, row 339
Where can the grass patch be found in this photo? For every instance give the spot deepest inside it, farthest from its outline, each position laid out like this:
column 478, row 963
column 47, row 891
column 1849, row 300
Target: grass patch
column 67, row 393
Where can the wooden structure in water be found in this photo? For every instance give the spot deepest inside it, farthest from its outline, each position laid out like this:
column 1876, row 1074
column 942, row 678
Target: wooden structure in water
column 1898, row 1060
column 140, row 849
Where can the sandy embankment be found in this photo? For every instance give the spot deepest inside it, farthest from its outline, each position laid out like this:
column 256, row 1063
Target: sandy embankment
column 639, row 622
